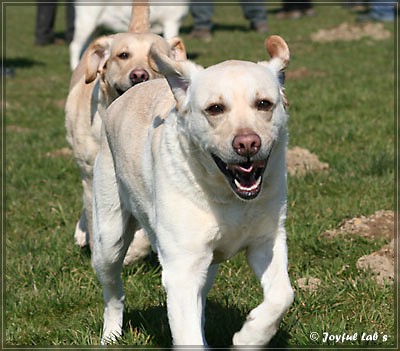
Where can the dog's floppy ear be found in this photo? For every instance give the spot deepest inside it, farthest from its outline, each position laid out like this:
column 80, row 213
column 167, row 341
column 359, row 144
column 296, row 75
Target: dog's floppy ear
column 178, row 73
column 97, row 55
column 178, row 49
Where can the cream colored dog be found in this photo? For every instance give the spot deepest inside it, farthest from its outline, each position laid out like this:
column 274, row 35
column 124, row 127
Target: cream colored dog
column 89, row 17
column 198, row 161
column 111, row 65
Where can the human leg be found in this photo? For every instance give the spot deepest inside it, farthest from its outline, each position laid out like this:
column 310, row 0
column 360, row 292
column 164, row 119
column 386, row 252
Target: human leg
column 202, row 20
column 256, row 14
column 45, row 18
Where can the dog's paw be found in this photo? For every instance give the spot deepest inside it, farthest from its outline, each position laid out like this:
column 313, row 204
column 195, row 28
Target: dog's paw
column 81, row 236
column 257, row 330
column 139, row 249
column 110, row 338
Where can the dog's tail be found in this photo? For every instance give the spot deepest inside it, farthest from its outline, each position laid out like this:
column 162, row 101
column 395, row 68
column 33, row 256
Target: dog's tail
column 140, row 17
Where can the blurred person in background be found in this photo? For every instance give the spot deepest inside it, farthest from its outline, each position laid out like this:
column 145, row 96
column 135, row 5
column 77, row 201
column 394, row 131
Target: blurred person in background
column 295, row 10
column 45, row 19
column 379, row 10
column 255, row 13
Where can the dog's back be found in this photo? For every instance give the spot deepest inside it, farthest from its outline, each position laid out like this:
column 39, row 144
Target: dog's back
column 147, row 106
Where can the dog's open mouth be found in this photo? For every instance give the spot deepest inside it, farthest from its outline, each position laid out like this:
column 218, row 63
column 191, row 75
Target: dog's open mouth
column 244, row 178
column 121, row 91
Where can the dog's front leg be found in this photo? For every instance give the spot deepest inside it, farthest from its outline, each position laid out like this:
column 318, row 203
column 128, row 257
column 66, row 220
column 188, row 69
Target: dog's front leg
column 212, row 271
column 186, row 282
column 269, row 262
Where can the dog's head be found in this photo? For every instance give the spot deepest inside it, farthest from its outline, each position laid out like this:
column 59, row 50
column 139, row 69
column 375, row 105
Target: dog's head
column 122, row 60
column 233, row 111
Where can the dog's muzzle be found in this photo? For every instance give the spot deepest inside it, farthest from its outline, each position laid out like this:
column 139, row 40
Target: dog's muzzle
column 137, row 76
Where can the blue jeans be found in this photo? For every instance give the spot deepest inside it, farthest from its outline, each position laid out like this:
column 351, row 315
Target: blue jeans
column 381, row 12
column 202, row 14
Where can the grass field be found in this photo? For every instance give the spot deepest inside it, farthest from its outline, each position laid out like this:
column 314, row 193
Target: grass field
column 342, row 110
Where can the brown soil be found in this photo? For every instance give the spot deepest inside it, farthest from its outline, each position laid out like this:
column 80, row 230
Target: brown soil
column 378, row 225
column 381, row 263
column 64, row 152
column 17, row 129
column 309, row 284
column 60, row 103
column 300, row 161
column 303, row 72
column 350, row 31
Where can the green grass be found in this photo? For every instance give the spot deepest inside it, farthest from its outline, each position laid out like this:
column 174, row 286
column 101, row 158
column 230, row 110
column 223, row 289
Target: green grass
column 343, row 113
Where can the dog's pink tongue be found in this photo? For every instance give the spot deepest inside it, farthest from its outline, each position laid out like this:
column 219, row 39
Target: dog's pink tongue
column 244, row 174
column 245, row 169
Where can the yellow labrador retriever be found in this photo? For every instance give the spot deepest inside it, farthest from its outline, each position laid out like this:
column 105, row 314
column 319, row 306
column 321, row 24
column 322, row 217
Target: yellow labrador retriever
column 197, row 161
column 110, row 66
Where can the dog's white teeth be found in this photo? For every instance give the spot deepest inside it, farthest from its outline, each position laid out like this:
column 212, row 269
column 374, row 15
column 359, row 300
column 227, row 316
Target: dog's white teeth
column 251, row 188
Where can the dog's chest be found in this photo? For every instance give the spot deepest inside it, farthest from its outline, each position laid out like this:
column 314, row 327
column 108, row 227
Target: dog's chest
column 240, row 227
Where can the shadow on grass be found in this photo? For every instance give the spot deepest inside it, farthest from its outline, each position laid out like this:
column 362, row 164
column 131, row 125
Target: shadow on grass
column 221, row 323
column 21, row 62
column 218, row 28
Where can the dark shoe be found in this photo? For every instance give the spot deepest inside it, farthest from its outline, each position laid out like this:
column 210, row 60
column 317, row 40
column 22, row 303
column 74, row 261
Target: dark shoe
column 260, row 28
column 294, row 14
column 309, row 12
column 201, row 34
column 55, row 41
column 59, row 41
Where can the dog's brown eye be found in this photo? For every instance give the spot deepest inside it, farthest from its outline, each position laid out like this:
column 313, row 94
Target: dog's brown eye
column 264, row 105
column 215, row 109
column 123, row 55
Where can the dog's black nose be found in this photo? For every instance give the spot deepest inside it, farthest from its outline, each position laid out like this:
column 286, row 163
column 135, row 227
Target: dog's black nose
column 138, row 75
column 247, row 143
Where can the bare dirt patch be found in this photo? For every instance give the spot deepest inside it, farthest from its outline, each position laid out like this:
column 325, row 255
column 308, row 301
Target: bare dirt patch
column 352, row 31
column 17, row 129
column 64, row 152
column 60, row 103
column 303, row 72
column 300, row 161
column 378, row 225
column 380, row 262
column 309, row 284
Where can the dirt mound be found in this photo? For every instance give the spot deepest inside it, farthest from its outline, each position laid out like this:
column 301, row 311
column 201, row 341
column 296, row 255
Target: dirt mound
column 378, row 225
column 381, row 263
column 349, row 32
column 300, row 161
